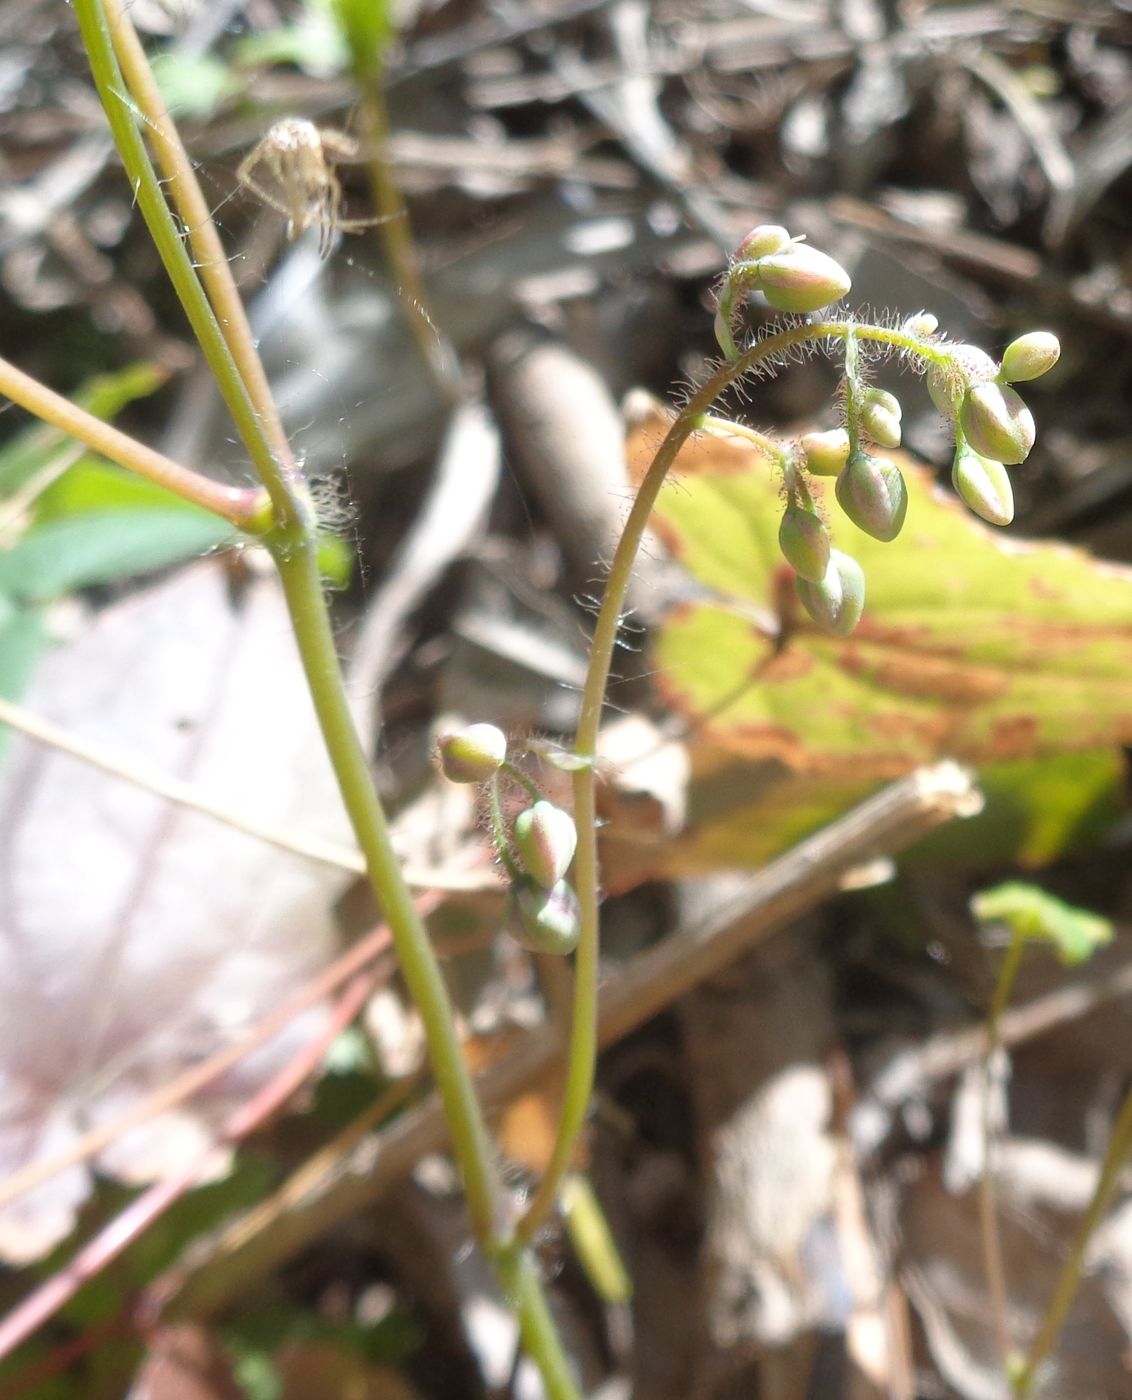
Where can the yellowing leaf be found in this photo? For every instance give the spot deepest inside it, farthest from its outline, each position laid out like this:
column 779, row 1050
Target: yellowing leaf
column 971, row 645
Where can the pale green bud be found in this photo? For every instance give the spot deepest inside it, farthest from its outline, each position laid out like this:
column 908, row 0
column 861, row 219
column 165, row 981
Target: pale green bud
column 1030, row 356
column 545, row 839
column 983, row 485
column 804, row 542
column 997, row 423
column 472, row 754
column 826, row 453
column 545, row 921
column 922, row 323
column 836, row 603
column 799, row 278
column 880, row 417
column 872, row 493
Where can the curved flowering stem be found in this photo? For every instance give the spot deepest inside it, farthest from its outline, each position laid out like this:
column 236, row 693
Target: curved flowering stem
column 916, row 342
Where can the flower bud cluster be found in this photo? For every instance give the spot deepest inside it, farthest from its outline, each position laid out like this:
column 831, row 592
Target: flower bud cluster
column 792, row 275
column 542, row 912
column 993, row 430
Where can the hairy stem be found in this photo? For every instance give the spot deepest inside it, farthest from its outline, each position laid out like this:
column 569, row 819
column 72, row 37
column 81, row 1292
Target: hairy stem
column 583, row 1045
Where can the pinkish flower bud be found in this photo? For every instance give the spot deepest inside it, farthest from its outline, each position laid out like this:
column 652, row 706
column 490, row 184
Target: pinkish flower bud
column 1030, row 356
column 761, row 241
column 545, row 839
column 836, row 603
column 545, row 921
column 826, row 453
column 872, row 494
column 983, row 485
column 799, row 278
column 804, row 542
column 472, row 754
column 948, row 383
column 997, row 423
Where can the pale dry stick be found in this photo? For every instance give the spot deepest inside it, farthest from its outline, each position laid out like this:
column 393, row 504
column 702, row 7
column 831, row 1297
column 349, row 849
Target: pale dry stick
column 55, row 1292
column 17, row 505
column 185, row 795
column 758, row 906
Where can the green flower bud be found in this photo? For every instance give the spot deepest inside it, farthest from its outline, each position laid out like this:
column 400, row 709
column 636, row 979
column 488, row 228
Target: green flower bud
column 1030, row 356
column 826, row 453
column 472, row 754
column 545, row 921
column 545, row 839
column 804, row 542
column 948, row 383
column 798, row 278
column 997, row 423
column 983, row 485
column 761, row 241
column 836, row 603
column 872, row 494
column 921, row 323
column 880, row 417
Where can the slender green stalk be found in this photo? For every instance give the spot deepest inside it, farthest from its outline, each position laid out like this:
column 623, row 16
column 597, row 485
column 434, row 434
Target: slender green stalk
column 188, row 199
column 583, row 1046
column 993, row 1265
column 291, row 539
column 396, row 236
column 277, row 476
column 1119, row 1149
column 242, row 505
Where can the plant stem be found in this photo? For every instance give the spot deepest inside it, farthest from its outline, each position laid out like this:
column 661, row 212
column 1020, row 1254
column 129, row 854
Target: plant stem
column 1119, row 1148
column 291, row 539
column 396, row 236
column 993, row 1265
column 277, row 475
column 189, row 201
column 583, row 1044
column 242, row 505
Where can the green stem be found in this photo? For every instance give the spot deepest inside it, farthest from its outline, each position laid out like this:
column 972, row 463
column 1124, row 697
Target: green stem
column 242, row 505
column 291, row 538
column 499, row 829
column 582, row 1059
column 277, row 476
column 188, row 199
column 1119, row 1148
column 396, row 236
column 993, row 1265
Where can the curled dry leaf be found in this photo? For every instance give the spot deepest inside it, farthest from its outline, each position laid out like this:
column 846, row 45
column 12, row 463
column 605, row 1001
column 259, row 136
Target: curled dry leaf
column 137, row 938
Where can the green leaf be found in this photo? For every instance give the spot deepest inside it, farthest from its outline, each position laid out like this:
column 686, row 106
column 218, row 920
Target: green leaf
column 971, row 645
column 367, row 27
column 78, row 551
column 315, row 43
column 93, row 484
column 1032, row 914
column 23, row 639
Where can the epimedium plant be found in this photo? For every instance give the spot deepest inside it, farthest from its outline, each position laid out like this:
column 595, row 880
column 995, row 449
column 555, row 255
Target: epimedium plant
column 549, row 855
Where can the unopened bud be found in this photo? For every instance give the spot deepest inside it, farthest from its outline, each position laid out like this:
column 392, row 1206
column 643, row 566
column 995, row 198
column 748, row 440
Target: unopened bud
column 804, row 542
column 984, row 485
column 872, row 494
column 880, row 417
column 947, row 384
column 921, row 323
column 545, row 839
column 546, row 921
column 836, row 603
column 997, row 423
column 826, row 453
column 761, row 241
column 472, row 754
column 799, row 278
column 1030, row 356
